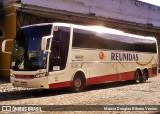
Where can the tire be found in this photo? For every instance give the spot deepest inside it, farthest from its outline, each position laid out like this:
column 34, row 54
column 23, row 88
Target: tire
column 138, row 77
column 144, row 77
column 78, row 84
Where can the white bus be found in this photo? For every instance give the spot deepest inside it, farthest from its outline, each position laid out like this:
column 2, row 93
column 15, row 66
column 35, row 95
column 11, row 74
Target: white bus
column 56, row 55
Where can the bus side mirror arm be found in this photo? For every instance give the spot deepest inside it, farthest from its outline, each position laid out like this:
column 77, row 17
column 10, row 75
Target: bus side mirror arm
column 44, row 42
column 4, row 46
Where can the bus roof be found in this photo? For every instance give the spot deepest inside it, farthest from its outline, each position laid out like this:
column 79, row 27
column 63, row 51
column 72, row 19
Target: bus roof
column 41, row 24
column 99, row 29
column 102, row 29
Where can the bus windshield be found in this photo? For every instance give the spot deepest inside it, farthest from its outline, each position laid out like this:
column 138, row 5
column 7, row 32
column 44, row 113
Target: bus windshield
column 26, row 53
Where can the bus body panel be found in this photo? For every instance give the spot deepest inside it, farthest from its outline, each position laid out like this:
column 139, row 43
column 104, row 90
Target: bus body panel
column 106, row 70
column 98, row 65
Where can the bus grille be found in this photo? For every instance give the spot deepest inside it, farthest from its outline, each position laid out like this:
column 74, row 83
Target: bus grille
column 24, row 76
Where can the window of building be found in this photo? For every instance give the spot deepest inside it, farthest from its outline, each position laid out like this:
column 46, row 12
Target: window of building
column 1, row 33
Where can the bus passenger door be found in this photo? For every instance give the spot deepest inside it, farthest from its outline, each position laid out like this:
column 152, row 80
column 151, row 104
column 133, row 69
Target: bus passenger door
column 55, row 56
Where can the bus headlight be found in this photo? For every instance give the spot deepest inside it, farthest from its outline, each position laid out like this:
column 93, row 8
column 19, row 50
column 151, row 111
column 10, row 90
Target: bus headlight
column 40, row 75
column 12, row 75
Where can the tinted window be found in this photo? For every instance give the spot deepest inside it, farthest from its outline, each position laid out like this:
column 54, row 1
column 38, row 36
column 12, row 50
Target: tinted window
column 27, row 48
column 1, row 33
column 145, row 45
column 90, row 39
column 59, row 48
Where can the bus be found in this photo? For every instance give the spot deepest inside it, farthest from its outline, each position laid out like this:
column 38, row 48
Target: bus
column 57, row 55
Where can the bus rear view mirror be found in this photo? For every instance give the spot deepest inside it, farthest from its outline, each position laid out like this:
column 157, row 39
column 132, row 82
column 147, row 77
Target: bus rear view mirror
column 45, row 43
column 4, row 46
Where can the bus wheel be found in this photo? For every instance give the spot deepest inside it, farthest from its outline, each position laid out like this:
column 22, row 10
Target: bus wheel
column 137, row 77
column 78, row 83
column 144, row 77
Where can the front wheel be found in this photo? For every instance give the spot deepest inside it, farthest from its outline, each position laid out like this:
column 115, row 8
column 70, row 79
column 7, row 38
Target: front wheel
column 78, row 84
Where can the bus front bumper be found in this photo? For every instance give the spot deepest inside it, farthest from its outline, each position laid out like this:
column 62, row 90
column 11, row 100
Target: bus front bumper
column 41, row 82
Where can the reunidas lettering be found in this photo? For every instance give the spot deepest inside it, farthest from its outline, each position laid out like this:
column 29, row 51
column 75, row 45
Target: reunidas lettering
column 124, row 57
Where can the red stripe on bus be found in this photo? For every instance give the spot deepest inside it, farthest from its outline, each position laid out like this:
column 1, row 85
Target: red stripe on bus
column 111, row 78
column 107, row 78
column 152, row 71
column 98, row 79
column 61, row 84
column 24, row 76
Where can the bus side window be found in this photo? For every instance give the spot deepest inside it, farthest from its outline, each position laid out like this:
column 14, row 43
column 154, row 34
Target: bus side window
column 55, row 57
column 59, row 49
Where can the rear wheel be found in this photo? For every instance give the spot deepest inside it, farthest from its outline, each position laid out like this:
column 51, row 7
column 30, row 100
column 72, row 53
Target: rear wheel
column 144, row 77
column 137, row 77
column 78, row 83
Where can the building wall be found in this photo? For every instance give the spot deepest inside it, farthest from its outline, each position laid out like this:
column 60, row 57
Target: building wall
column 8, row 25
column 127, row 10
column 8, row 2
column 133, row 11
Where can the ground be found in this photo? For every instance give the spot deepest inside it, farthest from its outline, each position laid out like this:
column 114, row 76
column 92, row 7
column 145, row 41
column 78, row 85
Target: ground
column 119, row 93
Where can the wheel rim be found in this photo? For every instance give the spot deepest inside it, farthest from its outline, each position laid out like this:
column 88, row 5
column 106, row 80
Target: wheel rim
column 77, row 83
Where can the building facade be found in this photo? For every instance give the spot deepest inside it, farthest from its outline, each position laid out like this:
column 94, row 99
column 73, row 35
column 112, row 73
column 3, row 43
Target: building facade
column 7, row 31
